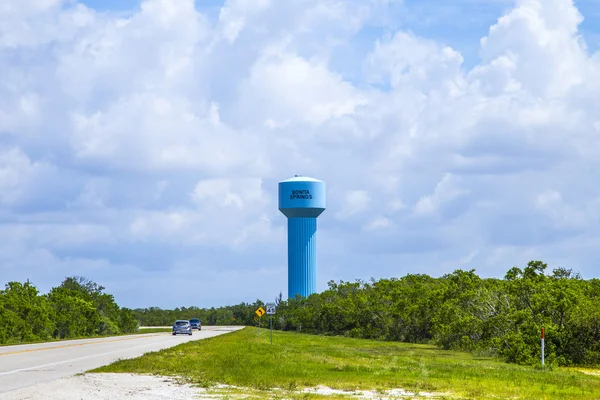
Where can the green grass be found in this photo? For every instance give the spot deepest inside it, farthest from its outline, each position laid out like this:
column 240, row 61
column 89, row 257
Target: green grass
column 138, row 332
column 151, row 330
column 246, row 359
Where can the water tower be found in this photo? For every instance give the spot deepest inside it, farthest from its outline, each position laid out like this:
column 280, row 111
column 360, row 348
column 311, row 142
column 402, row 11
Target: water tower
column 302, row 200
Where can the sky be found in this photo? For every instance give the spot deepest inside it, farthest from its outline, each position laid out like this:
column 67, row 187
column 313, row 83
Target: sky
column 141, row 142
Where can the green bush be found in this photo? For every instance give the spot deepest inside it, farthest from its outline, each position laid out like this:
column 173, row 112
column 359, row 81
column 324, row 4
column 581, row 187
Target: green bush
column 76, row 308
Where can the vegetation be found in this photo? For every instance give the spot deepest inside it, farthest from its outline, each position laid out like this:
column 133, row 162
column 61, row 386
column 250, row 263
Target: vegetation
column 294, row 360
column 153, row 330
column 136, row 332
column 77, row 308
column 458, row 311
column 241, row 314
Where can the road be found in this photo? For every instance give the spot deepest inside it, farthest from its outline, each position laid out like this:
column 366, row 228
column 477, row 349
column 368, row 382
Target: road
column 26, row 365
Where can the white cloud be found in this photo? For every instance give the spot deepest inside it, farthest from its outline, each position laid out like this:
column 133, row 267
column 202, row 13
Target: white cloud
column 356, row 201
column 230, row 213
column 93, row 194
column 151, row 141
column 163, row 226
column 58, row 236
column 446, row 190
column 241, row 193
column 407, row 61
column 18, row 173
column 564, row 215
column 377, row 224
column 149, row 131
column 39, row 22
column 543, row 41
column 234, row 14
column 284, row 89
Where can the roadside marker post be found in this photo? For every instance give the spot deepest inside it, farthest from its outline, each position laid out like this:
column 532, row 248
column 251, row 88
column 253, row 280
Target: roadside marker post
column 270, row 311
column 543, row 334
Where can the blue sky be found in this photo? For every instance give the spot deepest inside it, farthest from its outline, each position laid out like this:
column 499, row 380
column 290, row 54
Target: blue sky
column 141, row 142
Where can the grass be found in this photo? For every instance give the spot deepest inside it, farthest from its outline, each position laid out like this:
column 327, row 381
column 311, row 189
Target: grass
column 138, row 332
column 247, row 360
column 150, row 330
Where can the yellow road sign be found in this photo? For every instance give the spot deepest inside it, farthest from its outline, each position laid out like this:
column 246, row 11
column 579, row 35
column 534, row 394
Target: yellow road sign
column 260, row 312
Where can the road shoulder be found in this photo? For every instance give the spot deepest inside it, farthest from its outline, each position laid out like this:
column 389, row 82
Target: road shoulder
column 107, row 387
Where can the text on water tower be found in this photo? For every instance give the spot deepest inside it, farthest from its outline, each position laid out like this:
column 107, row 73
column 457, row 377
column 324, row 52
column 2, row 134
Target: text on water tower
column 301, row 194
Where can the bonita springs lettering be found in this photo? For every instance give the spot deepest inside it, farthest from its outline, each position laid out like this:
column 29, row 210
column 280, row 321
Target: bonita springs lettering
column 301, row 194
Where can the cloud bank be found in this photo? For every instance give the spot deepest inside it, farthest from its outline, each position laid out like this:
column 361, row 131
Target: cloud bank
column 142, row 149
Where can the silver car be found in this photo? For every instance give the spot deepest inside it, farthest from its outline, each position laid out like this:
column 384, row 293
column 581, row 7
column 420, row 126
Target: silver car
column 182, row 326
column 196, row 323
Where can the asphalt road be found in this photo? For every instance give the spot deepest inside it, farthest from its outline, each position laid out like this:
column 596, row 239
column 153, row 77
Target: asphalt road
column 26, row 365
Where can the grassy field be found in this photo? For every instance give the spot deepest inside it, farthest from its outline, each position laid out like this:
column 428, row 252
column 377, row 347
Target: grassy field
column 293, row 361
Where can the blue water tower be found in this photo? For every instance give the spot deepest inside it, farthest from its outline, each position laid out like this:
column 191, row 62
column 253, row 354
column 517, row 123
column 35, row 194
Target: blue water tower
column 302, row 200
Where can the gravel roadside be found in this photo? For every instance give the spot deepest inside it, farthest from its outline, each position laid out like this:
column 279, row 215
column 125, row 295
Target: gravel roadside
column 108, row 387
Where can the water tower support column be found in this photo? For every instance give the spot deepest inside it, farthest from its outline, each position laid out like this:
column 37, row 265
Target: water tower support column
column 302, row 256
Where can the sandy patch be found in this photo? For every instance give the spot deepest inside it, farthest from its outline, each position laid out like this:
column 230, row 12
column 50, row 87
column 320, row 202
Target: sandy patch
column 372, row 394
column 595, row 372
column 229, row 391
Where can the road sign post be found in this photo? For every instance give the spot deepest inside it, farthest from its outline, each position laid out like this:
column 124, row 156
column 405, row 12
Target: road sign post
column 270, row 311
column 260, row 312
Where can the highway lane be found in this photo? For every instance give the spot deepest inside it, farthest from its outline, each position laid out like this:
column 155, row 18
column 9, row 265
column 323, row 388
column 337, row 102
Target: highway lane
column 26, row 365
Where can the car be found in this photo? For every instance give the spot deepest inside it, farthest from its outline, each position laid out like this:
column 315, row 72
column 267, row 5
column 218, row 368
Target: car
column 196, row 323
column 182, row 326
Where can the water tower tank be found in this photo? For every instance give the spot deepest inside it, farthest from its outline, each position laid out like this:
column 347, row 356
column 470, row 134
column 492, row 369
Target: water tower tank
column 302, row 200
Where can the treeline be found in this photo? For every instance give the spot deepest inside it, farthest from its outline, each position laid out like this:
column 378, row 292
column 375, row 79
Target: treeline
column 76, row 308
column 241, row 314
column 460, row 310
